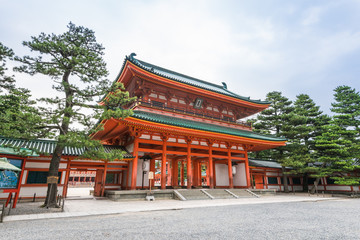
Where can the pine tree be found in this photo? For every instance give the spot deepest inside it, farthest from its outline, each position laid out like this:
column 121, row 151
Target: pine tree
column 275, row 120
column 347, row 121
column 334, row 156
column 6, row 82
column 73, row 60
column 18, row 115
column 306, row 122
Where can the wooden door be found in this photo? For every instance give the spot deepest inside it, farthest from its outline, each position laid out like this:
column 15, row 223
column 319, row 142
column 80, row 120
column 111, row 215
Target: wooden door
column 98, row 183
column 259, row 181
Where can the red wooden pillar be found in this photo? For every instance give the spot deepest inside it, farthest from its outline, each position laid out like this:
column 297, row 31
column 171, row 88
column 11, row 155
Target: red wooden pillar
column 207, row 174
column 163, row 161
column 214, row 172
column 196, row 174
column 152, row 168
column 123, row 174
column 104, row 180
column 169, row 174
column 265, row 179
column 182, row 173
column 135, row 162
column 175, row 173
column 8, row 199
column 248, row 181
column 127, row 176
column 188, row 163
column 19, row 183
column 231, row 184
column 66, row 182
column 211, row 165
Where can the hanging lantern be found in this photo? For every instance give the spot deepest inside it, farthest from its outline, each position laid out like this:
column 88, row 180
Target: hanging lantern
column 146, row 166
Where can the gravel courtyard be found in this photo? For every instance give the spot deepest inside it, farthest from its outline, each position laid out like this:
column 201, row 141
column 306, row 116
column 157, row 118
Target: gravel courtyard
column 336, row 219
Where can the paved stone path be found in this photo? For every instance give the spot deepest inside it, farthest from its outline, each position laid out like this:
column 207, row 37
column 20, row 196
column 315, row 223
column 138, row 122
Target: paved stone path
column 272, row 219
column 89, row 207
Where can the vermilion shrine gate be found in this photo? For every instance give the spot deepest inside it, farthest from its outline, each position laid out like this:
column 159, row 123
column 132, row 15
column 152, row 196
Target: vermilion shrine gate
column 180, row 121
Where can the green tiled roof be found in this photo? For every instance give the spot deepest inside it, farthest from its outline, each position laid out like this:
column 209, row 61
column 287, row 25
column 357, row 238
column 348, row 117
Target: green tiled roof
column 264, row 163
column 188, row 80
column 180, row 122
column 46, row 147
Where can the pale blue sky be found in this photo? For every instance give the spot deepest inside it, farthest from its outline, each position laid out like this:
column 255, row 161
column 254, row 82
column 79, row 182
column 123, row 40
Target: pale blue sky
column 254, row 46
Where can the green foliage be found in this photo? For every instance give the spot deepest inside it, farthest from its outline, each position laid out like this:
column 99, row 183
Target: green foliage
column 338, row 146
column 305, row 124
column 18, row 115
column 6, row 82
column 273, row 121
column 74, row 62
column 318, row 145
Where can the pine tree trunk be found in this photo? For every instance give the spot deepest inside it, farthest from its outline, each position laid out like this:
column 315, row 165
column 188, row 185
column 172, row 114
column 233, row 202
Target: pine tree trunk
column 316, row 183
column 305, row 182
column 50, row 200
column 286, row 186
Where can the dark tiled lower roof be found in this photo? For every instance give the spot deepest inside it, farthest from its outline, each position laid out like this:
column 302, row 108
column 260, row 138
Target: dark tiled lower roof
column 180, row 122
column 47, row 147
column 264, row 163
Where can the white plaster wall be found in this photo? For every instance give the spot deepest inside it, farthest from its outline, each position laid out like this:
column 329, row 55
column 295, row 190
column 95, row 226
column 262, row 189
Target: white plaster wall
column 145, row 136
column 112, row 187
column 282, row 188
column 222, row 177
column 130, row 148
column 37, row 165
column 63, row 176
column 24, row 177
column 298, row 188
column 123, row 179
column 341, row 188
column 40, row 191
column 4, row 195
column 156, row 138
column 240, row 176
column 139, row 175
column 129, row 175
column 43, row 165
column 273, row 187
column 271, row 174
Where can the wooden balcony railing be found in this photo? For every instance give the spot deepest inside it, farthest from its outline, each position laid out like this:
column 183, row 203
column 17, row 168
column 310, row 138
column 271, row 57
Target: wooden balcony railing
column 160, row 105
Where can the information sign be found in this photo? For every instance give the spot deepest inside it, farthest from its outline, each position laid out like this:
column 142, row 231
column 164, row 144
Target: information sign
column 151, row 175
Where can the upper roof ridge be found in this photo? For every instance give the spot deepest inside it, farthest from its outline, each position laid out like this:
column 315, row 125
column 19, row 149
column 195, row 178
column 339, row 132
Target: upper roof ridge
column 163, row 72
column 177, row 73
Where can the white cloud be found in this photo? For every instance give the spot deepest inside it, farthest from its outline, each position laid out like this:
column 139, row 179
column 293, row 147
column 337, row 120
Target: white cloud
column 312, row 15
column 255, row 48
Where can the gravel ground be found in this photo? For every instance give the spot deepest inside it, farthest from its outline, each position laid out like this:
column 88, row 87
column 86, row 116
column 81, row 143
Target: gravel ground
column 297, row 220
column 23, row 208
